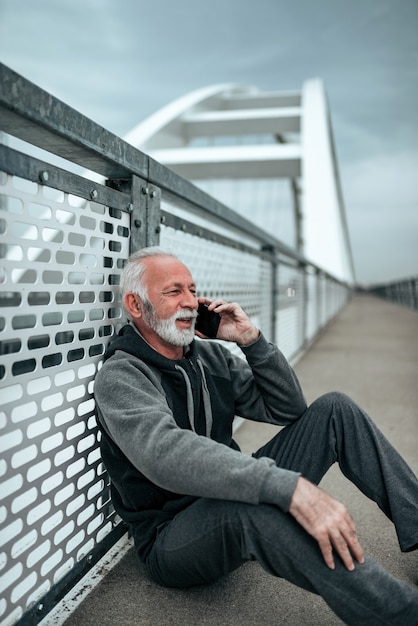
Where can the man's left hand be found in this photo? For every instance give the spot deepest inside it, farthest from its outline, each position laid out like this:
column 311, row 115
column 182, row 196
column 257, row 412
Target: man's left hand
column 328, row 521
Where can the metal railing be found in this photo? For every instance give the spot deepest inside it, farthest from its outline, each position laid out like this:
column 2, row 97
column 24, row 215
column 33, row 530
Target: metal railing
column 65, row 237
column 403, row 292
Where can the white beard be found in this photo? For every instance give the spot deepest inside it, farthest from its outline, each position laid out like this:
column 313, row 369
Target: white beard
column 167, row 329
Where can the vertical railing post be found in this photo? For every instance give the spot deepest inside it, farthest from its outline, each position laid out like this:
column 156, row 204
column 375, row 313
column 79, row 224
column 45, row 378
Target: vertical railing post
column 138, row 214
column 274, row 260
column 304, row 307
column 274, row 256
column 318, row 303
column 153, row 227
column 144, row 209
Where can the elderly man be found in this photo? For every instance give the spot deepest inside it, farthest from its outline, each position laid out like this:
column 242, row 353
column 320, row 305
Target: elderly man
column 197, row 507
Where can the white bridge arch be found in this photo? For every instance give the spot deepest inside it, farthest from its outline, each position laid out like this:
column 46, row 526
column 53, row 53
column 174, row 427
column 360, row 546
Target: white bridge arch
column 269, row 156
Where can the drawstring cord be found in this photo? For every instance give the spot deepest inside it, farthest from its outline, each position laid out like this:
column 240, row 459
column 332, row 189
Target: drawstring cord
column 207, row 407
column 206, row 400
column 189, row 395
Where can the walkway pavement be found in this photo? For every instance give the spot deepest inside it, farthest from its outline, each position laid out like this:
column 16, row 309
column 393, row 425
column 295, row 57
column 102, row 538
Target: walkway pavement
column 370, row 351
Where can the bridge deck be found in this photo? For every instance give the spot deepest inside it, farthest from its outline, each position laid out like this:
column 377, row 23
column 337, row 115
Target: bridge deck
column 370, row 352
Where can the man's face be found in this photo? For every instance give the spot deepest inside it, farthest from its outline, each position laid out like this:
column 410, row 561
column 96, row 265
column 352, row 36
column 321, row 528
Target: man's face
column 172, row 307
column 167, row 329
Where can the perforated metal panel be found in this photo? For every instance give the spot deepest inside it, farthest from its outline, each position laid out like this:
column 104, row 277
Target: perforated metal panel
column 311, row 304
column 61, row 259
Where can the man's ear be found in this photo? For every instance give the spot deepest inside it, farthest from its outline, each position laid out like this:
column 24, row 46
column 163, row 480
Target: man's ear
column 132, row 304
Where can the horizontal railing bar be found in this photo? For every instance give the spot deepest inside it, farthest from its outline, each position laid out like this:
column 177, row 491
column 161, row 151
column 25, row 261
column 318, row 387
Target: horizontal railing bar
column 18, row 164
column 32, row 114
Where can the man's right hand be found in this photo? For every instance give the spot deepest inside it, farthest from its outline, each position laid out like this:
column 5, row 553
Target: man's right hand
column 235, row 324
column 327, row 521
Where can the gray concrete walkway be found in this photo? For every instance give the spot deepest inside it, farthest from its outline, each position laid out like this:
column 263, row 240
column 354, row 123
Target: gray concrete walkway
column 370, row 351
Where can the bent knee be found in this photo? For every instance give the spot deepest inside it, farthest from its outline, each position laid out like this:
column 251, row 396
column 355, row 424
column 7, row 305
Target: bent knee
column 333, row 399
column 335, row 405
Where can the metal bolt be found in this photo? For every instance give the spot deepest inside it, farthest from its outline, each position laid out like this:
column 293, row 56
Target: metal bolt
column 40, row 607
column 93, row 194
column 162, row 219
column 130, row 207
column 44, row 176
column 145, row 190
column 137, row 223
column 152, row 194
column 158, row 230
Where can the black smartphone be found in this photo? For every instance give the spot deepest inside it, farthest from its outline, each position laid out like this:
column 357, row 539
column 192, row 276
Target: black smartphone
column 207, row 322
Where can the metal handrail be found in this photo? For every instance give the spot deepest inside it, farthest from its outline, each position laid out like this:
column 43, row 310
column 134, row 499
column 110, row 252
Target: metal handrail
column 403, row 292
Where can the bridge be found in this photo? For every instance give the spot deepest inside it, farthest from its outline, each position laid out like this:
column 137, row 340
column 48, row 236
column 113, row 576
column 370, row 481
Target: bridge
column 75, row 200
column 269, row 155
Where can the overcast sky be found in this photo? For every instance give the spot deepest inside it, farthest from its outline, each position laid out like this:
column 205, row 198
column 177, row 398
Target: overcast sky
column 118, row 61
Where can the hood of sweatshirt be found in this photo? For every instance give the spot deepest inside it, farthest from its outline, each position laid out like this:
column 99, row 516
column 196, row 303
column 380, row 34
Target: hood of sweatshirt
column 177, row 375
column 131, row 341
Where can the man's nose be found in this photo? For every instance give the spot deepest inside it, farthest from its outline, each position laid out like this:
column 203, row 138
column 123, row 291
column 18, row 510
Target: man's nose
column 189, row 301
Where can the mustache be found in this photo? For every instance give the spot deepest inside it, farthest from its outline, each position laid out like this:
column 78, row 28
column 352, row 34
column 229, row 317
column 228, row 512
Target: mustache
column 186, row 314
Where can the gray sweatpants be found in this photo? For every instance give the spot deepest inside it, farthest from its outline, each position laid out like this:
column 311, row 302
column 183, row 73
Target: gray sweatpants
column 213, row 537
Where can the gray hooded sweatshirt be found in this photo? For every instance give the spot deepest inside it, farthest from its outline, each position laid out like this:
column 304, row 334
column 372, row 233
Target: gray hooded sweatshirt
column 167, row 427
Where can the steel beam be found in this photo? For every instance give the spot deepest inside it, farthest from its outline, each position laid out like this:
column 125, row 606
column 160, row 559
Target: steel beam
column 265, row 161
column 242, row 122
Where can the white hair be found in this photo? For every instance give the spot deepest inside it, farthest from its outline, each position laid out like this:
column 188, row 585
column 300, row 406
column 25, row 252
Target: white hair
column 132, row 277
